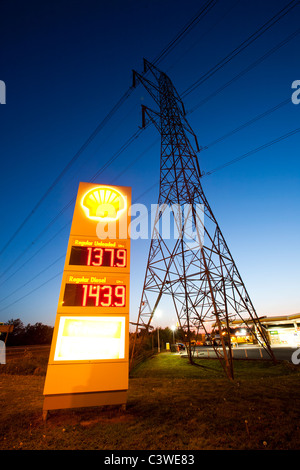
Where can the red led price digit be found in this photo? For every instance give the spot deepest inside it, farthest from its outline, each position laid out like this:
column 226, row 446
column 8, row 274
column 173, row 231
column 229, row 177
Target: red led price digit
column 90, row 291
column 112, row 253
column 98, row 256
column 121, row 256
column 120, row 293
column 107, row 295
column 89, row 256
column 84, row 297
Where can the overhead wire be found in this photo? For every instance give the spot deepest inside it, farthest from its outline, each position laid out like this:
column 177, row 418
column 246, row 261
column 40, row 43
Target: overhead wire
column 246, row 70
column 187, row 28
column 248, row 123
column 245, row 44
column 253, row 37
column 251, row 152
column 71, row 202
column 201, row 37
column 67, row 225
column 107, row 118
column 165, row 51
column 208, row 173
column 136, row 134
column 32, row 291
column 229, row 134
column 67, row 167
column 203, row 11
column 33, row 278
column 211, row 171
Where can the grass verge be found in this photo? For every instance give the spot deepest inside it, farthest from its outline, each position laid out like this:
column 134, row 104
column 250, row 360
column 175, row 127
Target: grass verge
column 171, row 406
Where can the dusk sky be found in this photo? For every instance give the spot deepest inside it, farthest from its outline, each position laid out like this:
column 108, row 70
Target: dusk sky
column 66, row 64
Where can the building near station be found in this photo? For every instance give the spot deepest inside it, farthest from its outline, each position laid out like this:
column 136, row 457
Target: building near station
column 283, row 330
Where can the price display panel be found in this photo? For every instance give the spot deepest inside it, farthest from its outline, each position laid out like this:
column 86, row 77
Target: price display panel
column 98, row 257
column 94, row 295
column 89, row 292
column 87, row 254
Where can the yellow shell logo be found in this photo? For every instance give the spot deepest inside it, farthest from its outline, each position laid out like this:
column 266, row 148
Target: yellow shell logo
column 103, row 203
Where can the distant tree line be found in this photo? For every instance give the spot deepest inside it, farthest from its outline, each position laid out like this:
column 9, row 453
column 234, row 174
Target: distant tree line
column 28, row 335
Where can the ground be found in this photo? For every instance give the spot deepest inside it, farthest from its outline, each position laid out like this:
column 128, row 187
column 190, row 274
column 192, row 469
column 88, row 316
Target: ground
column 172, row 405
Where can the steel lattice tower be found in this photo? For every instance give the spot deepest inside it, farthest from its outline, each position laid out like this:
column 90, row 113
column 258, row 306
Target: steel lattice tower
column 204, row 282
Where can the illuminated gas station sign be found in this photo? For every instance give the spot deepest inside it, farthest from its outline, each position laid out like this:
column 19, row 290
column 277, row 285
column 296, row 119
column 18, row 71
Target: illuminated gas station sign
column 88, row 363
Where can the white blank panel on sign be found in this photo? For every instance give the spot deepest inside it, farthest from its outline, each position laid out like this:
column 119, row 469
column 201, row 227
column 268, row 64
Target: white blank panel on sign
column 82, row 338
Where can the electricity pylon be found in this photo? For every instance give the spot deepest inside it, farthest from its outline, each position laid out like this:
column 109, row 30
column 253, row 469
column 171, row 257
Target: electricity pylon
column 198, row 272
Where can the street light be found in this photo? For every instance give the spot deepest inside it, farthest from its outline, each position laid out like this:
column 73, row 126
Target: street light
column 173, row 328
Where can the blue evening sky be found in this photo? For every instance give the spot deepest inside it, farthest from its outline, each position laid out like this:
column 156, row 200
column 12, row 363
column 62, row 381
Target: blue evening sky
column 67, row 63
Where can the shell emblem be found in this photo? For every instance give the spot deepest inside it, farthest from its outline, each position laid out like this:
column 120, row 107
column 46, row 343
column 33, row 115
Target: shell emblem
column 103, row 203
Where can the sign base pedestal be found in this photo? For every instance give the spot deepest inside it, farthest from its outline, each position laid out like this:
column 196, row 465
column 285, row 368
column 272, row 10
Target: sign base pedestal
column 83, row 400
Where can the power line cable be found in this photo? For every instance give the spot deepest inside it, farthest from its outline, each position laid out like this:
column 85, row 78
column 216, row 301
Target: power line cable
column 115, row 156
column 230, row 162
column 252, row 152
column 166, row 50
column 33, row 278
column 246, row 70
column 246, row 124
column 71, row 162
column 69, row 204
column 32, row 291
column 235, row 160
column 200, row 38
column 37, row 252
column 258, row 33
column 193, row 22
column 107, row 118
column 119, row 152
column 229, row 134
